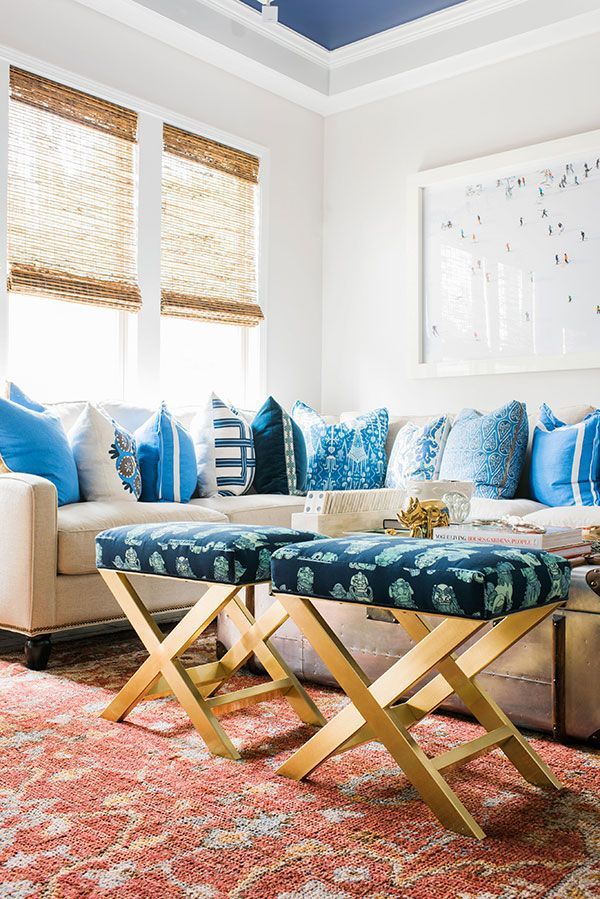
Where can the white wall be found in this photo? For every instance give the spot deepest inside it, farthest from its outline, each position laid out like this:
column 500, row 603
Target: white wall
column 369, row 152
column 67, row 35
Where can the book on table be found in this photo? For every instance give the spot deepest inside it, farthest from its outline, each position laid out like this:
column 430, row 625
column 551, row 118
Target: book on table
column 553, row 539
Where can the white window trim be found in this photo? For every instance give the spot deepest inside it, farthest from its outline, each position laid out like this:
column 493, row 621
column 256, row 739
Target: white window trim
column 144, row 386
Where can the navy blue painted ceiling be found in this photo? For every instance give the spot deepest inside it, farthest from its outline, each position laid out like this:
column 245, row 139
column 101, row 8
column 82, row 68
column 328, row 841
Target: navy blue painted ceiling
column 335, row 23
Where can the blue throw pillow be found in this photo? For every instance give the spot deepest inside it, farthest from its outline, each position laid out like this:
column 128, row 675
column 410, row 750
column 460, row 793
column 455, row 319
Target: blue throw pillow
column 14, row 393
column 345, row 456
column 33, row 441
column 488, row 450
column 565, row 461
column 167, row 459
column 280, row 451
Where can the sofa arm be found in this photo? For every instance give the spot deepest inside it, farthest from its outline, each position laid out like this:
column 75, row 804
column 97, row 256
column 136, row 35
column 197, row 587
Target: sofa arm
column 28, row 547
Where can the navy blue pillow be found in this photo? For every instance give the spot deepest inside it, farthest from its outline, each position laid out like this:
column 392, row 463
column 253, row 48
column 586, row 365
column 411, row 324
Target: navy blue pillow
column 281, row 462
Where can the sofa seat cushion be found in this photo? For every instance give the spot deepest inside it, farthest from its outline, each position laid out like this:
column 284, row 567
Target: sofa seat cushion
column 255, row 508
column 566, row 517
column 80, row 523
column 498, row 508
column 215, row 553
column 443, row 578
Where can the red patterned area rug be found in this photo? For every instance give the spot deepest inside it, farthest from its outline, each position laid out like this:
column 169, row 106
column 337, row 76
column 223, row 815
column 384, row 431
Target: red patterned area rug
column 90, row 808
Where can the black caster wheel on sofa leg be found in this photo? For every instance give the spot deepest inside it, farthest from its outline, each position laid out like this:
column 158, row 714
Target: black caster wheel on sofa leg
column 37, row 652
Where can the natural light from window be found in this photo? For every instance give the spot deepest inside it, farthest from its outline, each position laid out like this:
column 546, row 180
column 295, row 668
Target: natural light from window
column 198, row 357
column 64, row 351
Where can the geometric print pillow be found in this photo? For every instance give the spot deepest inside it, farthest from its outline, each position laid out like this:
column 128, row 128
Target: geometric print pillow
column 488, row 450
column 349, row 455
column 106, row 458
column 417, row 452
column 224, row 450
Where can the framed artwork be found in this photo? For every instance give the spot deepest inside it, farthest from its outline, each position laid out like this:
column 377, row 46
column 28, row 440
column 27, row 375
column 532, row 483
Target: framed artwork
column 505, row 261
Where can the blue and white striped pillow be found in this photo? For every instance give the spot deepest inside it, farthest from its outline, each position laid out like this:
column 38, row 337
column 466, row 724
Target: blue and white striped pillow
column 167, row 459
column 565, row 461
column 224, row 450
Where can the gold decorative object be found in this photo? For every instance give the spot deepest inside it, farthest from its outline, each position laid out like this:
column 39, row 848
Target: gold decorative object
column 422, row 516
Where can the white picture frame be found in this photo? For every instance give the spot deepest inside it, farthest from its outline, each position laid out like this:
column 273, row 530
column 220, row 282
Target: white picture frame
column 500, row 167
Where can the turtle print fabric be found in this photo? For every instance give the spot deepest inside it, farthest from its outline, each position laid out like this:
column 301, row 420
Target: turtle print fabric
column 451, row 579
column 217, row 553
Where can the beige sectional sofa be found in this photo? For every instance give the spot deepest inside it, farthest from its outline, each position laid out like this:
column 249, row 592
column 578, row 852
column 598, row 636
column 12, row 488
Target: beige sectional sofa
column 49, row 583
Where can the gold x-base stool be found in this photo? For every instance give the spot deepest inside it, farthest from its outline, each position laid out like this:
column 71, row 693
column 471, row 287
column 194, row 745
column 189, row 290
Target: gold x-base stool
column 163, row 674
column 375, row 713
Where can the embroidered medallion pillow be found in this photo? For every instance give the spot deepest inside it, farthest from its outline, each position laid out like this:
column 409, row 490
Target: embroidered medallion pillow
column 565, row 461
column 280, row 451
column 106, row 458
column 349, row 455
column 417, row 452
column 33, row 441
column 488, row 449
column 224, row 450
column 167, row 459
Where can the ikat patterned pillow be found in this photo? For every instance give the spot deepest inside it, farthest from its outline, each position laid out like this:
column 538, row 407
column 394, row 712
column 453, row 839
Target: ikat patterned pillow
column 488, row 450
column 417, row 452
column 106, row 458
column 349, row 455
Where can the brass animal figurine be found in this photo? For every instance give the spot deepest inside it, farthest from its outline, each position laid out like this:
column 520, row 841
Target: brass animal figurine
column 421, row 517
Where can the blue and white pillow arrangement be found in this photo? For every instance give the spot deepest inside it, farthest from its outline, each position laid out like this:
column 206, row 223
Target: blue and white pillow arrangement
column 349, row 455
column 417, row 452
column 565, row 460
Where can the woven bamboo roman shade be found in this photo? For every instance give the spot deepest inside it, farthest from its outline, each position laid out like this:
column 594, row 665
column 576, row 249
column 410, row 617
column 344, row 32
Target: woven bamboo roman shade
column 209, row 231
column 71, row 195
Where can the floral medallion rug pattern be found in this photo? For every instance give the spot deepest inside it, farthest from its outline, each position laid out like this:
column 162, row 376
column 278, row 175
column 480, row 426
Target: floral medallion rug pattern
column 91, row 808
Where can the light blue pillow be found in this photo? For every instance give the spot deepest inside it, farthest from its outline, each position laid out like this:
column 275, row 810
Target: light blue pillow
column 565, row 461
column 14, row 393
column 488, row 450
column 33, row 441
column 417, row 452
column 167, row 459
column 345, row 456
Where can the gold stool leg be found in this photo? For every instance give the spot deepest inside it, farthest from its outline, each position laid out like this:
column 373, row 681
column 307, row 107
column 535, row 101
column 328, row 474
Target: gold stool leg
column 373, row 711
column 418, row 768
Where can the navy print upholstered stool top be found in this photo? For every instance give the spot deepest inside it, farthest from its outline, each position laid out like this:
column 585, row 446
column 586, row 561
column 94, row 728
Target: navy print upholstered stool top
column 218, row 553
column 444, row 578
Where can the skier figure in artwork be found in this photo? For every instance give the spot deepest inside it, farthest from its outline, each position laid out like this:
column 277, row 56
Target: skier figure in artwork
column 544, row 213
column 566, row 258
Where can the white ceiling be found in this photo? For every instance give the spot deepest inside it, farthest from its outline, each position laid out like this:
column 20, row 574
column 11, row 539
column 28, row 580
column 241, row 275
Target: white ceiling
column 475, row 33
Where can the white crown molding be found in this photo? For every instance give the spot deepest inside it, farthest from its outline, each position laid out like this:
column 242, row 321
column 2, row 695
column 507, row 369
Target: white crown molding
column 540, row 39
column 434, row 23
column 164, row 29
column 309, row 59
column 275, row 31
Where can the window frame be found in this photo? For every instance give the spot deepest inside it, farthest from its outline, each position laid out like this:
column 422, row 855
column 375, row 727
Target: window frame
column 140, row 375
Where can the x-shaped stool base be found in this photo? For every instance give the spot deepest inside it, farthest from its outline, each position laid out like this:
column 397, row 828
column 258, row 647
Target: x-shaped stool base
column 163, row 674
column 374, row 711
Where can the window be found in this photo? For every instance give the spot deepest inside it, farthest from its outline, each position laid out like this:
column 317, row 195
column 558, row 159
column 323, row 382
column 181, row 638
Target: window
column 73, row 235
column 209, row 231
column 71, row 195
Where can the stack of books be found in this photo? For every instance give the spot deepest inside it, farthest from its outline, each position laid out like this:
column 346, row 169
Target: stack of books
column 567, row 542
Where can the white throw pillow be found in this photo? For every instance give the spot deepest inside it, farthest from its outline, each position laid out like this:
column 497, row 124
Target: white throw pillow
column 224, row 450
column 106, row 458
column 417, row 452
